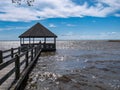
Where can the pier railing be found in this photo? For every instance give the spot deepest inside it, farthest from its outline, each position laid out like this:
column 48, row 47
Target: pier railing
column 10, row 53
column 44, row 46
column 21, row 63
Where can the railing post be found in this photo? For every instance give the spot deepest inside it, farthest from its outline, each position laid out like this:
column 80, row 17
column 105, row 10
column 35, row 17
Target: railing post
column 17, row 67
column 19, row 50
column 1, row 57
column 12, row 53
column 35, row 51
column 26, row 56
column 44, row 45
column 31, row 54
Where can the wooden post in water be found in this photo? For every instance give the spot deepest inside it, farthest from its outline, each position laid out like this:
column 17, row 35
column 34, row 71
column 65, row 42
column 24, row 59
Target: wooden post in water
column 17, row 67
column 11, row 52
column 26, row 56
column 1, row 57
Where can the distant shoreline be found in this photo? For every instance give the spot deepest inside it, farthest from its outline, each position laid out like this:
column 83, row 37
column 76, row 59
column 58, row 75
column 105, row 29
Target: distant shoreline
column 113, row 40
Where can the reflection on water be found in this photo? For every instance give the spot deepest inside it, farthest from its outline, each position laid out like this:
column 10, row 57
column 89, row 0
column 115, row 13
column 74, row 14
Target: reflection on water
column 78, row 65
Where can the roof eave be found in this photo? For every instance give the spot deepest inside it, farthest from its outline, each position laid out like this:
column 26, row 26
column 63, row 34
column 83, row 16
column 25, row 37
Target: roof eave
column 37, row 36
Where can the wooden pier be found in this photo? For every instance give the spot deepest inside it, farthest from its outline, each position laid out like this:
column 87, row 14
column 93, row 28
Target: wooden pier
column 16, row 65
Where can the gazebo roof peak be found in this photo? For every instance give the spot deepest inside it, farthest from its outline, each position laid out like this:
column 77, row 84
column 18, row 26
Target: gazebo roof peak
column 37, row 31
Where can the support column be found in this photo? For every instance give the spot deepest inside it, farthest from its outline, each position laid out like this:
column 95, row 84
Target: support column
column 23, row 40
column 45, row 39
column 29, row 41
column 20, row 41
column 44, row 43
column 55, row 43
column 33, row 42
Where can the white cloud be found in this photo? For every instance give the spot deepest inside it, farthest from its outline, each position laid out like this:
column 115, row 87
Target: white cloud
column 43, row 9
column 52, row 25
column 71, row 25
column 117, row 15
column 13, row 28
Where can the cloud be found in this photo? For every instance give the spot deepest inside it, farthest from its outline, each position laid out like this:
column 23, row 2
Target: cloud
column 117, row 15
column 43, row 9
column 71, row 25
column 13, row 28
column 52, row 25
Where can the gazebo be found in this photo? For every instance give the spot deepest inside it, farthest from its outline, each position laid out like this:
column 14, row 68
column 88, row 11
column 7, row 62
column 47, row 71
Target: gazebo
column 39, row 33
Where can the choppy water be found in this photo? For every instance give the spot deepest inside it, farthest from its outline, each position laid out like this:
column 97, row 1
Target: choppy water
column 78, row 65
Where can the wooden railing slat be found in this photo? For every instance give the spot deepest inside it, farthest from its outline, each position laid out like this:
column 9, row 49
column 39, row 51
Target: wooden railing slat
column 3, row 65
column 6, row 50
column 15, row 53
column 15, row 48
column 6, row 56
column 21, row 63
column 4, row 78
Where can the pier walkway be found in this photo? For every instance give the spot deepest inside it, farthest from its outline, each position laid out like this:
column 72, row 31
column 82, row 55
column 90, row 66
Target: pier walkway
column 15, row 65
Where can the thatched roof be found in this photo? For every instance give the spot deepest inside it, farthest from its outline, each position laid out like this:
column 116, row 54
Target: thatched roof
column 37, row 31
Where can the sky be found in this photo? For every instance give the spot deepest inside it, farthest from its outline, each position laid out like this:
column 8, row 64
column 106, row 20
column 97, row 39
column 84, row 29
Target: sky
column 68, row 19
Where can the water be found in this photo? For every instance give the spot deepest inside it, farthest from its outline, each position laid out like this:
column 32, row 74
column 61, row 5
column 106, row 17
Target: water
column 78, row 65
column 4, row 45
